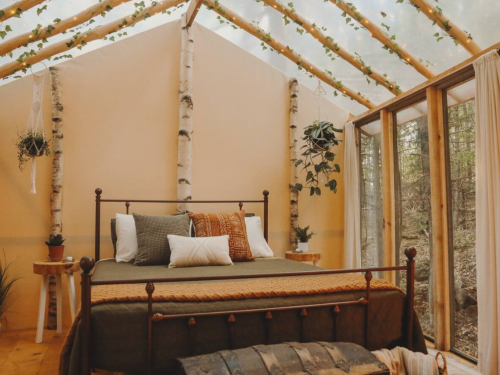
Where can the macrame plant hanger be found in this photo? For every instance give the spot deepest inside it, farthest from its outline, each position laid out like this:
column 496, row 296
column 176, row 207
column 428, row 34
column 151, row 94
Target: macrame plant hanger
column 320, row 94
column 35, row 125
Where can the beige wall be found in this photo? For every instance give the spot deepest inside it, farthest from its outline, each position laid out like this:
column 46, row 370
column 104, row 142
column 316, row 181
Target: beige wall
column 121, row 121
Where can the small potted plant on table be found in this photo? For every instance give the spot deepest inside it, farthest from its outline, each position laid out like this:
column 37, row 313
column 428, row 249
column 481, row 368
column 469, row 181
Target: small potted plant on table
column 56, row 247
column 303, row 236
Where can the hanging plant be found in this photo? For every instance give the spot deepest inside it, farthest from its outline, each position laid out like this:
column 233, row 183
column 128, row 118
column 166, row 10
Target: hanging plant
column 318, row 159
column 31, row 145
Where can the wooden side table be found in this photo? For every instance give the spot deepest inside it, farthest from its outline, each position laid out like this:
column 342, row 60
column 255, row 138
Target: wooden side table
column 56, row 269
column 304, row 257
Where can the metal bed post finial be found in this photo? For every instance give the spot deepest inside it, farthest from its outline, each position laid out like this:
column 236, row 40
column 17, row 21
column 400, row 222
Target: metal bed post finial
column 150, row 288
column 410, row 253
column 87, row 264
column 98, row 193
column 266, row 214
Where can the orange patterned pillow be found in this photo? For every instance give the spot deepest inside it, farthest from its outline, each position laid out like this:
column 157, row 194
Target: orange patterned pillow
column 233, row 225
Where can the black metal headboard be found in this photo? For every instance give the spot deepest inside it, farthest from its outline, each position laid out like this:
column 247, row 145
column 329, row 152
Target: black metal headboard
column 99, row 200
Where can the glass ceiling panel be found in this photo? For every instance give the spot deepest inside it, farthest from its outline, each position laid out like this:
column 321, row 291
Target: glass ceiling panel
column 410, row 29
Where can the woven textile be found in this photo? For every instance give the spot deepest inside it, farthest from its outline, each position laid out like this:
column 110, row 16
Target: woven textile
column 233, row 225
column 247, row 289
column 152, row 232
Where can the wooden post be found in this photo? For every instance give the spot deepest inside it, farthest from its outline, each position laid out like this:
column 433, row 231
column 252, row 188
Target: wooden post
column 185, row 145
column 87, row 264
column 388, row 198
column 57, row 177
column 57, row 148
column 439, row 211
column 294, row 193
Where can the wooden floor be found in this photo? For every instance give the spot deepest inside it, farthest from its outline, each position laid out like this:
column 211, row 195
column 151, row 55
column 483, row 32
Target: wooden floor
column 19, row 355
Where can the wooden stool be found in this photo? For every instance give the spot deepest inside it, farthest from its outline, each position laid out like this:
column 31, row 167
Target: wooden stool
column 56, row 269
column 303, row 257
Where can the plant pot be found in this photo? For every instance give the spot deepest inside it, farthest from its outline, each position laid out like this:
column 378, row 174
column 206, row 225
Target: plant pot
column 303, row 246
column 56, row 253
column 320, row 146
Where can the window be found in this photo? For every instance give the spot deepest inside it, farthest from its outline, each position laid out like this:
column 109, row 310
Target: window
column 372, row 245
column 413, row 205
column 460, row 135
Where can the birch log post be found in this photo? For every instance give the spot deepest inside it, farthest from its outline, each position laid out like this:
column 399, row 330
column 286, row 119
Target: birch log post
column 184, row 155
column 57, row 147
column 57, row 178
column 294, row 193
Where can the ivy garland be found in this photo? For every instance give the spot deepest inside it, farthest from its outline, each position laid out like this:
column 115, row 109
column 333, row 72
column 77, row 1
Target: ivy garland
column 367, row 71
column 446, row 24
column 78, row 35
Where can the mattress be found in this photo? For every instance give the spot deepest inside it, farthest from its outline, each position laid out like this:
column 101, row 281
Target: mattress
column 119, row 329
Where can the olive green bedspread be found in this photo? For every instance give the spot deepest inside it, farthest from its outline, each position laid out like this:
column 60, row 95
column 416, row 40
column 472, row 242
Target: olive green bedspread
column 119, row 330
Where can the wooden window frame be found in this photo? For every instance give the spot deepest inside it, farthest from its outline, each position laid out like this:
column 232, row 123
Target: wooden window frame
column 434, row 91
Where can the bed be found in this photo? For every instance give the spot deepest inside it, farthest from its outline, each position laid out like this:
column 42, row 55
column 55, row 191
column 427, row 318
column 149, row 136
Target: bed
column 144, row 335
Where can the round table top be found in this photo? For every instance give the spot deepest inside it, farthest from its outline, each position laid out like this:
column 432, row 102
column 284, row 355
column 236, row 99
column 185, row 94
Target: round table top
column 55, row 268
column 310, row 256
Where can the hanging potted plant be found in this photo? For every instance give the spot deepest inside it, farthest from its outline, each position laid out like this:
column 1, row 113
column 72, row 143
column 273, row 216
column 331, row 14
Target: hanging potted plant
column 318, row 159
column 56, row 247
column 303, row 237
column 6, row 283
column 30, row 145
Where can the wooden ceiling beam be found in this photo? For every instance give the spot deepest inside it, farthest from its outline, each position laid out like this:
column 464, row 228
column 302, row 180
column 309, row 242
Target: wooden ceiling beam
column 335, row 47
column 444, row 79
column 265, row 37
column 448, row 26
column 192, row 11
column 59, row 27
column 23, row 5
column 97, row 33
column 377, row 33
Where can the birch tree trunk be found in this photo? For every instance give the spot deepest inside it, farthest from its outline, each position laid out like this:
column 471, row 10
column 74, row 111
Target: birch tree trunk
column 57, row 178
column 294, row 193
column 184, row 156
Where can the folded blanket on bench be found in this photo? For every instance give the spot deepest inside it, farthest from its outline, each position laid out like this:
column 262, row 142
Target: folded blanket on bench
column 402, row 361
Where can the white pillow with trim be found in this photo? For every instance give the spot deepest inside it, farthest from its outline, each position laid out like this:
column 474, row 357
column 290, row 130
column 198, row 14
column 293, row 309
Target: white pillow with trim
column 198, row 251
column 258, row 244
column 126, row 243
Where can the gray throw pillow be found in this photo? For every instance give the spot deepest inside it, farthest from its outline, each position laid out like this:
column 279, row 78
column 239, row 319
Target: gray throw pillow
column 152, row 242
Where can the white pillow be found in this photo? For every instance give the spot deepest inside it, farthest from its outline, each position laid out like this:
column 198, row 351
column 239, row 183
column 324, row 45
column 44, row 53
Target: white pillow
column 126, row 244
column 198, row 251
column 258, row 244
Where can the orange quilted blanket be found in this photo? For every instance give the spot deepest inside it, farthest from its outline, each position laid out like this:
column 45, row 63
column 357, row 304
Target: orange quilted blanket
column 238, row 289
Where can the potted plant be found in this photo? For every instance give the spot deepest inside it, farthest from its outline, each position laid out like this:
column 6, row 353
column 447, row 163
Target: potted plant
column 30, row 145
column 56, row 247
column 6, row 283
column 303, row 237
column 318, row 158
